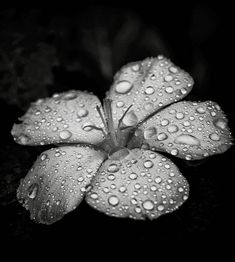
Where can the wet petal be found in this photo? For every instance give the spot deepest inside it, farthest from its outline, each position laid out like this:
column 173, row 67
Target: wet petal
column 148, row 85
column 63, row 118
column 189, row 130
column 57, row 182
column 142, row 184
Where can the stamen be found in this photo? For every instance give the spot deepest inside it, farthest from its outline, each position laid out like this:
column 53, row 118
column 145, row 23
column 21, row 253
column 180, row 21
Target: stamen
column 102, row 118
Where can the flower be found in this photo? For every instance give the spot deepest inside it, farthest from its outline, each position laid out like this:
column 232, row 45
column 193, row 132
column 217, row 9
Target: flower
column 109, row 155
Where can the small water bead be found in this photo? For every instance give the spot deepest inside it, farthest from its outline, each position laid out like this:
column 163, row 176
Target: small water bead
column 70, row 96
column 169, row 90
column 187, row 139
column 164, row 122
column 48, row 109
column 138, row 210
column 113, row 200
column 220, row 123
column 65, row 134
column 133, row 176
column 137, row 186
column 153, row 188
column 120, row 104
column 122, row 189
column 135, row 67
column 150, row 132
column 173, row 69
column 148, row 164
column 123, row 87
column 158, row 179
column 33, row 190
column 148, row 205
column 174, row 152
column 82, row 112
column 180, row 189
column 59, row 119
column 23, row 139
column 186, row 123
column 93, row 196
column 168, row 78
column 149, row 90
column 188, row 157
column 179, row 115
column 160, row 208
column 201, row 110
column 172, row 129
column 130, row 119
column 43, row 157
column 113, row 168
column 87, row 126
column 148, row 106
column 214, row 137
column 162, row 136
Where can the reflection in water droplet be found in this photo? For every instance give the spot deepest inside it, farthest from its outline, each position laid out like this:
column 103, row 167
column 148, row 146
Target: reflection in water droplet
column 150, row 132
column 148, row 205
column 149, row 90
column 113, row 200
column 187, row 139
column 32, row 191
column 168, row 78
column 169, row 89
column 65, row 134
column 179, row 115
column 214, row 137
column 158, row 179
column 160, row 207
column 113, row 168
column 23, row 140
column 87, row 126
column 148, row 164
column 123, row 87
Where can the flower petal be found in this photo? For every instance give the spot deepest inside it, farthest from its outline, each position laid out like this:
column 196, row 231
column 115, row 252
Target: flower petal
column 59, row 119
column 56, row 183
column 190, row 130
column 143, row 184
column 148, row 85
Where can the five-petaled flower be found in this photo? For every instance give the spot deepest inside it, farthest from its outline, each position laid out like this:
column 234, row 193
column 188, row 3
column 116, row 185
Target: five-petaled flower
column 110, row 154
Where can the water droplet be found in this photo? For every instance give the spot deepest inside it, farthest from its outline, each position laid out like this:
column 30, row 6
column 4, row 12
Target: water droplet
column 186, row 123
column 180, row 189
column 47, row 109
column 148, row 164
column 172, row 129
column 87, row 126
column 162, row 136
column 93, row 196
column 158, row 179
column 148, row 205
column 169, row 89
column 160, row 207
column 148, row 106
column 173, row 69
column 220, row 123
column 123, row 87
column 70, row 96
column 43, row 157
column 135, row 67
column 130, row 119
column 188, row 157
column 32, row 191
column 174, row 152
column 133, row 176
column 59, row 119
column 113, row 168
column 187, row 139
column 120, row 104
column 111, row 177
column 200, row 110
column 138, row 210
column 113, row 200
column 214, row 137
column 65, row 134
column 82, row 112
column 23, row 139
column 164, row 122
column 122, row 189
column 150, row 132
column 168, row 78
column 179, row 115
column 149, row 90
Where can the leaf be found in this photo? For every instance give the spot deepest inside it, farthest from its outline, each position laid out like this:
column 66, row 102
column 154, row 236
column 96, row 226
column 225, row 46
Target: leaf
column 142, row 184
column 57, row 182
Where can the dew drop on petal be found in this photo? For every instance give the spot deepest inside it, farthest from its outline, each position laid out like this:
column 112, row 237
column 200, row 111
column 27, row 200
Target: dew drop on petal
column 23, row 140
column 133, row 176
column 200, row 110
column 168, row 78
column 130, row 119
column 82, row 112
column 148, row 205
column 179, row 115
column 174, row 152
column 187, row 139
column 70, row 96
column 173, row 69
column 32, row 191
column 136, row 67
column 148, row 106
column 169, row 89
column 123, row 87
column 160, row 207
column 120, row 104
column 113, row 168
column 150, row 132
column 113, row 200
column 162, row 136
column 220, row 123
column 164, row 122
column 148, row 164
column 172, row 129
column 158, row 179
column 149, row 90
column 214, row 137
column 65, row 134
column 43, row 157
column 93, row 196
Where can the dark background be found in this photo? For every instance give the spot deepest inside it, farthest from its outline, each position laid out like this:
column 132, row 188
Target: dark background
column 43, row 51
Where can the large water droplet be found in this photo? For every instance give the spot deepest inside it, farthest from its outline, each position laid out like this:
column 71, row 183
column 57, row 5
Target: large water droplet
column 164, row 122
column 174, row 152
column 169, row 89
column 200, row 110
column 150, row 132
column 187, row 139
column 23, row 139
column 82, row 112
column 162, row 136
column 148, row 164
column 120, row 104
column 160, row 208
column 93, row 196
column 133, row 176
column 168, row 78
column 87, row 126
column 149, row 90
column 130, row 119
column 220, row 123
column 172, row 129
column 65, row 134
column 123, row 87
column 179, row 115
column 148, row 205
column 70, row 96
column 214, row 137
column 113, row 200
column 113, row 168
column 173, row 69
column 33, row 190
